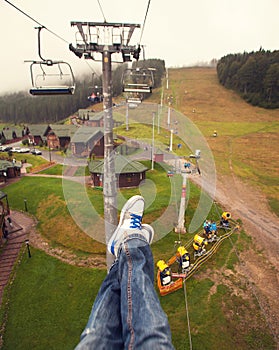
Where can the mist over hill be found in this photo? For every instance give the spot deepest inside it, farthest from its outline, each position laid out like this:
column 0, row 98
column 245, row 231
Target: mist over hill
column 21, row 107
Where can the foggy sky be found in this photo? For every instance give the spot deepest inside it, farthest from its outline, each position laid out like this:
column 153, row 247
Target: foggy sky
column 181, row 32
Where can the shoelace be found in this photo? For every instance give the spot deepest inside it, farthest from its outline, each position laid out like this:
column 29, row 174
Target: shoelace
column 135, row 221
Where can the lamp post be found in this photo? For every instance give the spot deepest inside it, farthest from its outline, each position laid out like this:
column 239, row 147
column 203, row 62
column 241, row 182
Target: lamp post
column 169, row 115
column 152, row 146
column 127, row 117
column 49, row 152
column 28, row 247
column 25, row 204
column 171, row 138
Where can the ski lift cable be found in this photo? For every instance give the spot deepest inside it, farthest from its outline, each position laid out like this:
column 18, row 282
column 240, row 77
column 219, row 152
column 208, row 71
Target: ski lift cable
column 187, row 314
column 144, row 21
column 100, row 6
column 92, row 69
column 34, row 20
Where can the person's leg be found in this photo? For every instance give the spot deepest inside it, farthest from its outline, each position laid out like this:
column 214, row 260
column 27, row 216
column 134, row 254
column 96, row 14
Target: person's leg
column 145, row 325
column 104, row 329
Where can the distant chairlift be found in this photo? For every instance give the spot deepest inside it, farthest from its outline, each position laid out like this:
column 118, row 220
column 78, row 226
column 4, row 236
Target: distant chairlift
column 96, row 95
column 51, row 77
column 138, row 80
column 134, row 98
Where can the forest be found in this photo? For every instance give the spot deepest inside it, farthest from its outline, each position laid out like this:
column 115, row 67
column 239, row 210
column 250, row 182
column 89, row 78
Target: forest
column 254, row 75
column 21, row 107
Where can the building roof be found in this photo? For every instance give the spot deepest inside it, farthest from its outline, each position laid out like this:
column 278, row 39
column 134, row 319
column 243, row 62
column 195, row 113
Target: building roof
column 2, row 195
column 63, row 130
column 159, row 151
column 90, row 114
column 123, row 165
column 86, row 133
column 5, row 164
column 8, row 131
column 96, row 116
column 38, row 129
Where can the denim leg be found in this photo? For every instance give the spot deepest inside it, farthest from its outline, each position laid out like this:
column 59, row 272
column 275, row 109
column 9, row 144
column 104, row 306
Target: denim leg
column 104, row 329
column 145, row 325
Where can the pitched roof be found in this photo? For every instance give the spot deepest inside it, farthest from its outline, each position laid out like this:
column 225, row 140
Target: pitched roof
column 91, row 114
column 2, row 195
column 123, row 165
column 86, row 133
column 5, row 164
column 8, row 131
column 96, row 116
column 63, row 130
column 38, row 129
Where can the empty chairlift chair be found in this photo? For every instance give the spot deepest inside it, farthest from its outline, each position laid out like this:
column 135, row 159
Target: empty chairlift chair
column 51, row 78
column 138, row 80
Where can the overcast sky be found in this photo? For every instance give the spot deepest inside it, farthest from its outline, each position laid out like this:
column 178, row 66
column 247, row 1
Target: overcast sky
column 181, row 32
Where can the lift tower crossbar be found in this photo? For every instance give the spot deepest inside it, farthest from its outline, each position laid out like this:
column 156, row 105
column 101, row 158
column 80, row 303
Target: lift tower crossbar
column 107, row 39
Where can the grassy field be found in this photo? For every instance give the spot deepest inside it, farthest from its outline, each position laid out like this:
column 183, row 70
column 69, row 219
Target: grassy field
column 50, row 301
column 247, row 141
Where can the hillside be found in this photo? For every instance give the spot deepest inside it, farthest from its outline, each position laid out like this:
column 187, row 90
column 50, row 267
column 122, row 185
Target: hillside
column 233, row 299
column 246, row 160
column 247, row 140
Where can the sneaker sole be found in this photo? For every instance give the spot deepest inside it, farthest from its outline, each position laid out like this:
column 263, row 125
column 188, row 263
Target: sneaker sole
column 150, row 230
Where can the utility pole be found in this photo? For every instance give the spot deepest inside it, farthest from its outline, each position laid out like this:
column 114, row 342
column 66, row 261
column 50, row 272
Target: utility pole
column 127, row 116
column 169, row 116
column 171, row 138
column 180, row 228
column 152, row 146
column 106, row 39
column 167, row 76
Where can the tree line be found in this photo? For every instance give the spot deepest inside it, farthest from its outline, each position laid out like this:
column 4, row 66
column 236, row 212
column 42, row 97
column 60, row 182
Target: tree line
column 21, row 107
column 254, row 75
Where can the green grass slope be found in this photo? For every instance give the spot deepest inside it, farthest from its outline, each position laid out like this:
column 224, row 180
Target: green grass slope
column 248, row 137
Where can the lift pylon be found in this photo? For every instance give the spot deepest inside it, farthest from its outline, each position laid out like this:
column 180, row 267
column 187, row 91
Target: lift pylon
column 107, row 39
column 180, row 228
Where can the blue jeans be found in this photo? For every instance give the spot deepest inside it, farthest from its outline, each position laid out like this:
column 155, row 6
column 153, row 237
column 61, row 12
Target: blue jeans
column 127, row 313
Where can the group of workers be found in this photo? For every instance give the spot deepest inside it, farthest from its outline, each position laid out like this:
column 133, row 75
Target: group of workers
column 199, row 244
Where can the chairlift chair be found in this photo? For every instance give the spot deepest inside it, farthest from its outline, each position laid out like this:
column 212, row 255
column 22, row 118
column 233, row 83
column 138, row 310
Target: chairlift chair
column 134, row 98
column 50, row 77
column 138, row 80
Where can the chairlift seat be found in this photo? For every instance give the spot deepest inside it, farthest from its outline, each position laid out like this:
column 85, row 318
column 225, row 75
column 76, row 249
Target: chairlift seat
column 47, row 79
column 48, row 91
column 137, row 88
column 138, row 80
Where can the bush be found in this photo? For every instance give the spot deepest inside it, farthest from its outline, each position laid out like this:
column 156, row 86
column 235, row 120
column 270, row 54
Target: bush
column 25, row 142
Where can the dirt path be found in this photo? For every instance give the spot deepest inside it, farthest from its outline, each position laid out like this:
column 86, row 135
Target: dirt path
column 37, row 241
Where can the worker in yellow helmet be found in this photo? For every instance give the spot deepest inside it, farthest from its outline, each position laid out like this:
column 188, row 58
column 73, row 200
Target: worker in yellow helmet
column 165, row 272
column 199, row 245
column 224, row 221
column 183, row 257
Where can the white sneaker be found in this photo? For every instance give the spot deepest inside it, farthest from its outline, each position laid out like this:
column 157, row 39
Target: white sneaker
column 148, row 232
column 130, row 222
